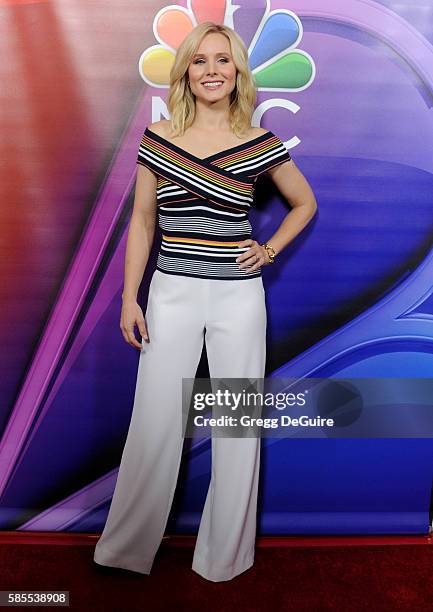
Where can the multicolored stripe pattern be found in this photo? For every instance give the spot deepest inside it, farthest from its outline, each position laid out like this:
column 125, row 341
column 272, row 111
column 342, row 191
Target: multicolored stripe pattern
column 204, row 203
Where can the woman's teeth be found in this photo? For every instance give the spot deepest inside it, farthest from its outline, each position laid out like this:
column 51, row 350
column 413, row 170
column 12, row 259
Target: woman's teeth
column 213, row 85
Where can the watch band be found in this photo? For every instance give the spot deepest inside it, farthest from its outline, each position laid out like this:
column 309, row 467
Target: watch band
column 270, row 251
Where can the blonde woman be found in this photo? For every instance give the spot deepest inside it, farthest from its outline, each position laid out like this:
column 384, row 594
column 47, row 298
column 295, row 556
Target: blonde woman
column 197, row 173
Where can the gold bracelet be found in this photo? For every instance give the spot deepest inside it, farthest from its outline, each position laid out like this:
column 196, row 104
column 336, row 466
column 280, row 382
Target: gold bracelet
column 270, row 251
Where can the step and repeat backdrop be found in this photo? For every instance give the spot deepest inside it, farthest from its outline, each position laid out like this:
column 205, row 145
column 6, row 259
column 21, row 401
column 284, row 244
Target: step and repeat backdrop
column 348, row 87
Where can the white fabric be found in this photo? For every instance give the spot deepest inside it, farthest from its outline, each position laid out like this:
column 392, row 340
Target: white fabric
column 179, row 309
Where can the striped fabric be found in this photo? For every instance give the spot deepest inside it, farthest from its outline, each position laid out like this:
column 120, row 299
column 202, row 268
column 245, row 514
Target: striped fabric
column 204, row 203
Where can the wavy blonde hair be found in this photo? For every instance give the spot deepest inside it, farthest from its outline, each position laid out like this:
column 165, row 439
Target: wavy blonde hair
column 181, row 100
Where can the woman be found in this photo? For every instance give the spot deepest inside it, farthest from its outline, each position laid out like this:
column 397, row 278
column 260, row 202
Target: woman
column 198, row 172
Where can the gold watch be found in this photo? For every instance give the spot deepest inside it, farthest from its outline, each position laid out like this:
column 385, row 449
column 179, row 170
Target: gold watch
column 270, row 251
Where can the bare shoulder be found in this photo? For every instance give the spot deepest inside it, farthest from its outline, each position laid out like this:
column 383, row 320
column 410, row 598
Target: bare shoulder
column 160, row 127
column 258, row 131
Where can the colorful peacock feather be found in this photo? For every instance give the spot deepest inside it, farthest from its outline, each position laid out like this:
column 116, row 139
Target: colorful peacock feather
column 271, row 38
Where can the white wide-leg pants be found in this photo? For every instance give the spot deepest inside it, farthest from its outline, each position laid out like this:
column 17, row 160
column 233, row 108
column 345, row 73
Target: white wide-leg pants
column 179, row 310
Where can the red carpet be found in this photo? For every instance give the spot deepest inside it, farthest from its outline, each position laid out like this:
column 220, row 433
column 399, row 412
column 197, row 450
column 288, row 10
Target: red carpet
column 295, row 573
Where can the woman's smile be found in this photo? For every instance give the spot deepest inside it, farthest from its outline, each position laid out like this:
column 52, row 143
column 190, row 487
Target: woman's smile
column 212, row 84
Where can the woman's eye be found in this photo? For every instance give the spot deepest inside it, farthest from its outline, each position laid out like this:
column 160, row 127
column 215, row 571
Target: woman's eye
column 224, row 59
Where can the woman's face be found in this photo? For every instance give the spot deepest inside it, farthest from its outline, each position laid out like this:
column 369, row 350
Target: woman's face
column 212, row 62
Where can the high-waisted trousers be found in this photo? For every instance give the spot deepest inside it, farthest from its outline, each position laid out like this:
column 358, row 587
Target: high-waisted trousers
column 179, row 310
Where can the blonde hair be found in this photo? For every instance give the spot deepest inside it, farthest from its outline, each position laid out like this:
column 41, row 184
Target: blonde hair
column 181, row 100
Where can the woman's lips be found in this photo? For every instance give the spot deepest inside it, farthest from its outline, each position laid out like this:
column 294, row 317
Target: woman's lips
column 213, row 86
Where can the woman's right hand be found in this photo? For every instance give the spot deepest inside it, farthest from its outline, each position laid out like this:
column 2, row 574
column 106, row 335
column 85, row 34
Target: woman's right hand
column 132, row 315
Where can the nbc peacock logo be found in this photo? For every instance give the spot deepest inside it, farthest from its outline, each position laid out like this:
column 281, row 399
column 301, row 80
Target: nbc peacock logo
column 271, row 38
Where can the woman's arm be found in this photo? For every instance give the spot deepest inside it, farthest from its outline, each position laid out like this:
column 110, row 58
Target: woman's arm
column 296, row 189
column 138, row 247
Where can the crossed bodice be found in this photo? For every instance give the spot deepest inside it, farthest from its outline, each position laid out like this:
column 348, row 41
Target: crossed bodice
column 204, row 203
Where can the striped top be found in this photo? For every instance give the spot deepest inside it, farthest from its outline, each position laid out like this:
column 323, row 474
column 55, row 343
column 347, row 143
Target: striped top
column 203, row 203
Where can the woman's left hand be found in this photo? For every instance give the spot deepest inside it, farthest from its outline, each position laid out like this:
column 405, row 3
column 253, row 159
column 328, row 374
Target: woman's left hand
column 254, row 258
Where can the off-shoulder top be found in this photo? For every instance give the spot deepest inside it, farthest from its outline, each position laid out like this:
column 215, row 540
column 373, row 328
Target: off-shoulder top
column 203, row 204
